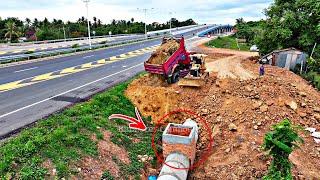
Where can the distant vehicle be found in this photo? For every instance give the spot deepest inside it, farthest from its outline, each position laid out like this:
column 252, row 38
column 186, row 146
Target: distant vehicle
column 22, row 39
column 254, row 48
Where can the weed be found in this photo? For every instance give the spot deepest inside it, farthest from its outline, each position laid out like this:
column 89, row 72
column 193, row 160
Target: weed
column 279, row 143
column 107, row 176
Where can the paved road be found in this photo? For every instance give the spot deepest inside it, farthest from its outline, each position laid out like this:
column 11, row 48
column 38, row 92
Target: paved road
column 32, row 91
column 16, row 50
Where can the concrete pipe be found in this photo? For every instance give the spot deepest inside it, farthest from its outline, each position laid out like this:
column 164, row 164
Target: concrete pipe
column 175, row 160
column 180, row 150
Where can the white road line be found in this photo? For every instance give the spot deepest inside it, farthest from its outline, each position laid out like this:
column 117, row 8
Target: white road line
column 25, row 69
column 85, row 57
column 47, row 99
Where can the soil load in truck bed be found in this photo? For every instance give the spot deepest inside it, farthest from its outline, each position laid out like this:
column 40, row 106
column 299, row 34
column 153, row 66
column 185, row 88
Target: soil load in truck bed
column 164, row 52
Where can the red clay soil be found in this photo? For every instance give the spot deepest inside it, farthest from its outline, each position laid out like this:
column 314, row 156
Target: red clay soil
column 251, row 105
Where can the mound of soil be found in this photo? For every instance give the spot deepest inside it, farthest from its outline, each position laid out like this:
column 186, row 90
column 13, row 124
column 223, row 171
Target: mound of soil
column 152, row 97
column 251, row 104
column 164, row 52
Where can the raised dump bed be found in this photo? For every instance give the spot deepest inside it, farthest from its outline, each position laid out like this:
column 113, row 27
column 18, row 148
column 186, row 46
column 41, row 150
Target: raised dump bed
column 171, row 60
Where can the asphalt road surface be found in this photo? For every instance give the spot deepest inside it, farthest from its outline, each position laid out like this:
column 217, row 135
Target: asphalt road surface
column 32, row 91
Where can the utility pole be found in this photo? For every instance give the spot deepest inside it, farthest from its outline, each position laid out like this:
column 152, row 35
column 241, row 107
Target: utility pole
column 87, row 6
column 145, row 20
column 170, row 22
column 64, row 33
column 170, row 13
column 314, row 47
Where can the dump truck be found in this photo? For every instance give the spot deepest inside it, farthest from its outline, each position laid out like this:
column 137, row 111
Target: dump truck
column 173, row 62
column 175, row 66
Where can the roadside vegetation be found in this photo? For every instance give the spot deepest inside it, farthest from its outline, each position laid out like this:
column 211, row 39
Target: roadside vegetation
column 280, row 143
column 11, row 29
column 229, row 42
column 64, row 138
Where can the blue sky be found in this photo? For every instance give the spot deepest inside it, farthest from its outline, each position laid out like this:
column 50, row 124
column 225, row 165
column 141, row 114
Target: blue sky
column 203, row 11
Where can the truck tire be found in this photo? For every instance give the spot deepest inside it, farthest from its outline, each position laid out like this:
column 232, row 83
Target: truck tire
column 175, row 77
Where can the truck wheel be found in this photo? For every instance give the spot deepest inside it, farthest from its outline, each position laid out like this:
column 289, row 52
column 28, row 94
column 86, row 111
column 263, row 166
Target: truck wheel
column 175, row 77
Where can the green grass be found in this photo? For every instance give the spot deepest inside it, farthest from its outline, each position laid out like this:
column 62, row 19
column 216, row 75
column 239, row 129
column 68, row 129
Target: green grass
column 228, row 42
column 64, row 138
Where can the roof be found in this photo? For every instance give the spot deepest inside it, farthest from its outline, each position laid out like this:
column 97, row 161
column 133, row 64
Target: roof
column 280, row 50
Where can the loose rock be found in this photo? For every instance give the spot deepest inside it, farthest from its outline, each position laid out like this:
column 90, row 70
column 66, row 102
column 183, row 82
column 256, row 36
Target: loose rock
column 232, row 127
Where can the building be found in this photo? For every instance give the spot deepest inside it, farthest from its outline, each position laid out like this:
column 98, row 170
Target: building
column 290, row 59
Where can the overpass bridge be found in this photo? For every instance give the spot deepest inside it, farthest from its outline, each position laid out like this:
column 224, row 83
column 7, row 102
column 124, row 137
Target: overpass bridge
column 217, row 29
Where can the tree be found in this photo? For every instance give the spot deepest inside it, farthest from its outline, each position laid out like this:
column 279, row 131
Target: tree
column 95, row 22
column 293, row 23
column 239, row 21
column 35, row 23
column 11, row 29
column 28, row 22
column 279, row 143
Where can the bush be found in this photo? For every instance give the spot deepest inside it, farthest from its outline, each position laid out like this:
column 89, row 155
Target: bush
column 107, row 176
column 313, row 77
column 29, row 52
column 279, row 143
column 75, row 46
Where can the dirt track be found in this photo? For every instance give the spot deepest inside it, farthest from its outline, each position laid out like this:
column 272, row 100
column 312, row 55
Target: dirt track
column 249, row 102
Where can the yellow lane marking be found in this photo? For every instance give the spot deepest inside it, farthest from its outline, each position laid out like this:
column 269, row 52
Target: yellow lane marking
column 17, row 51
column 87, row 65
column 2, row 52
column 113, row 58
column 31, row 49
column 10, row 85
column 42, row 77
column 101, row 61
column 71, row 70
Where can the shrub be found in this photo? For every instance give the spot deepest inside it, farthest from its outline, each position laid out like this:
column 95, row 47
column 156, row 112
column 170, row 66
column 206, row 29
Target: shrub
column 279, row 143
column 107, row 176
column 29, row 52
column 75, row 46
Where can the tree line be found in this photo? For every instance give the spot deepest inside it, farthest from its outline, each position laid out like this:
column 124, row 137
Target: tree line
column 11, row 29
column 290, row 23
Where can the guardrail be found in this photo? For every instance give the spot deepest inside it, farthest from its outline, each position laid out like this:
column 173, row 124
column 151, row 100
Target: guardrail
column 96, row 37
column 69, row 39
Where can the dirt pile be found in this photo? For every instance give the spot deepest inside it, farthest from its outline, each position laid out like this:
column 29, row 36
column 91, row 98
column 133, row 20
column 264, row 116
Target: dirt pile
column 248, row 105
column 152, row 97
column 164, row 52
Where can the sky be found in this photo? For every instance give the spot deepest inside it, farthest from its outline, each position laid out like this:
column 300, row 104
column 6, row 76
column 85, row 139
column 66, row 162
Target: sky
column 202, row 11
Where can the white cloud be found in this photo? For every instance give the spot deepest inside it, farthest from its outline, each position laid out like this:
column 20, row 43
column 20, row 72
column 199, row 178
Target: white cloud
column 203, row 11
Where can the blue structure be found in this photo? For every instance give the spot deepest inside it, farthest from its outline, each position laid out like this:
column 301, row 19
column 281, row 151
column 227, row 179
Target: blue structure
column 216, row 29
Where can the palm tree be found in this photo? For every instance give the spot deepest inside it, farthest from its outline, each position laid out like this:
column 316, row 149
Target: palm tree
column 11, row 29
column 28, row 21
column 239, row 20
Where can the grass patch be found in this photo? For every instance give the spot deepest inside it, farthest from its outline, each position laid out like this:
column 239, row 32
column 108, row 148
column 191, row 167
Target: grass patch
column 228, row 42
column 64, row 138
